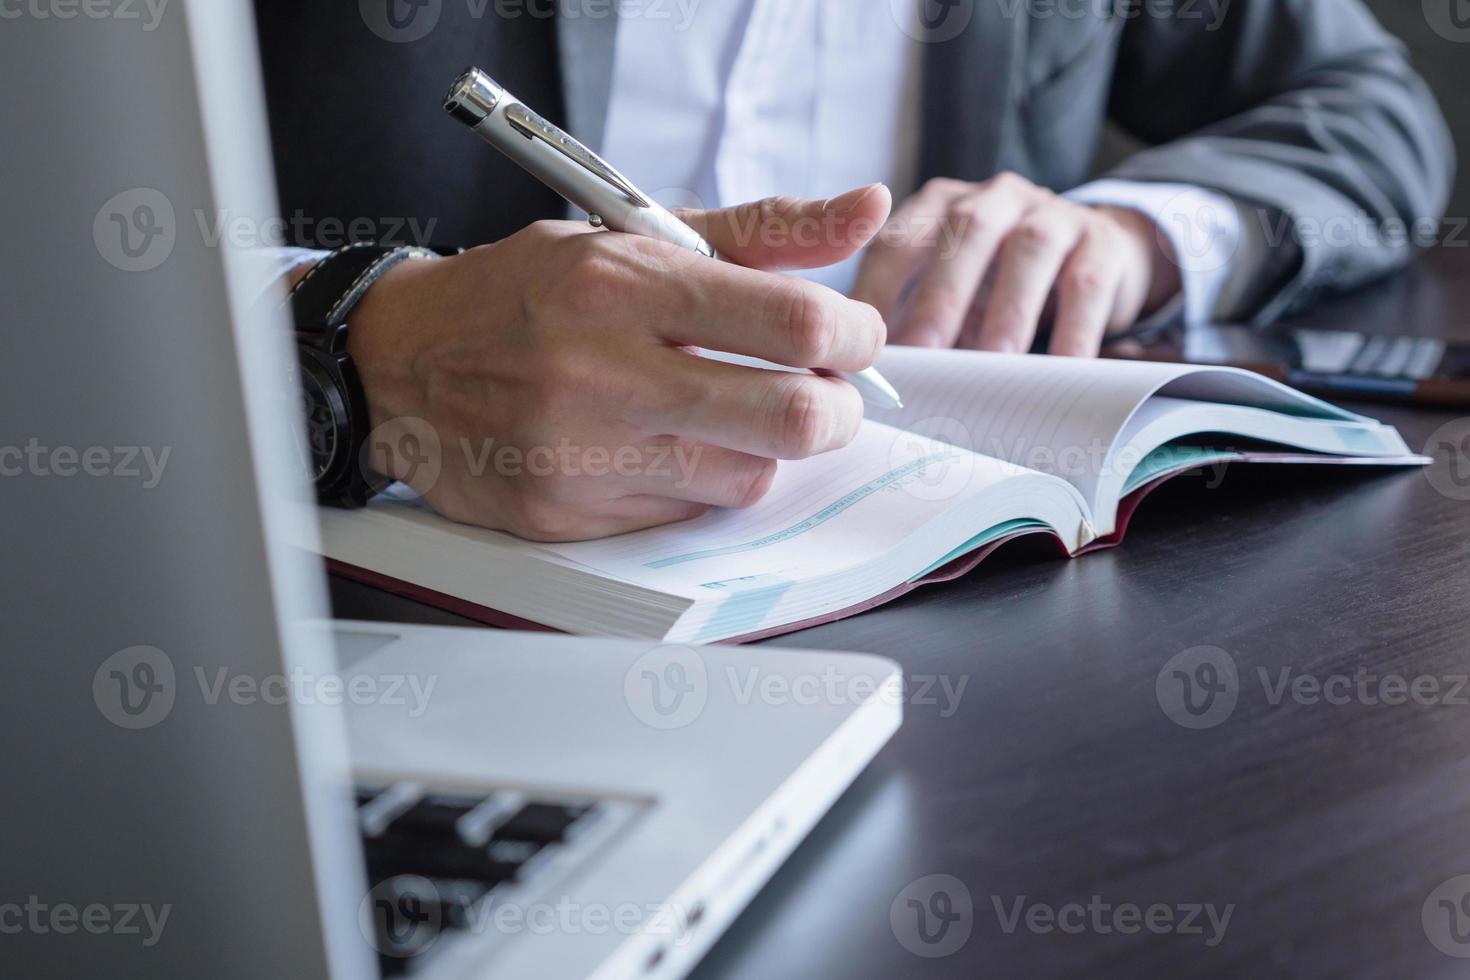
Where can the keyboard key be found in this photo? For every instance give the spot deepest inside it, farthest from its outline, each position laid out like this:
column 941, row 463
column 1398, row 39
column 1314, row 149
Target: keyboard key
column 392, row 854
column 433, row 816
column 543, row 822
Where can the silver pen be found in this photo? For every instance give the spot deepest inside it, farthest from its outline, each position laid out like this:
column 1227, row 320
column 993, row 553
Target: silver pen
column 588, row 182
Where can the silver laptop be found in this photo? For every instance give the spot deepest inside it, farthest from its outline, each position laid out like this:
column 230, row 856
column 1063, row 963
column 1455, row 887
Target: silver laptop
column 203, row 775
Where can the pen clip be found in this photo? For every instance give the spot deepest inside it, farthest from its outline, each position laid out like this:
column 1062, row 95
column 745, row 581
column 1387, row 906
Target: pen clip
column 532, row 126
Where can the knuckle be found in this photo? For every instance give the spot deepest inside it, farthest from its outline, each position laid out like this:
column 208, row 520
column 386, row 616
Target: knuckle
column 804, row 418
column 969, row 214
column 1037, row 233
column 877, row 331
column 941, row 185
column 753, row 483
column 1009, row 181
column 1084, row 278
column 777, row 207
column 811, row 324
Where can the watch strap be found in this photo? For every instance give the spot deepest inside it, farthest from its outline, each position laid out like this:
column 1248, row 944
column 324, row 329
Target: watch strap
column 326, row 296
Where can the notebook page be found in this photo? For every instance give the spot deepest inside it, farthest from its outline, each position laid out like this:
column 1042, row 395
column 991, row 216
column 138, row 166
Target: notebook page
column 823, row 514
column 1057, row 415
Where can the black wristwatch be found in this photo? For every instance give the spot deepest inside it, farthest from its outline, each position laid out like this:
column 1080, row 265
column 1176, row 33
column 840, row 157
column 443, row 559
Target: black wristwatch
column 337, row 425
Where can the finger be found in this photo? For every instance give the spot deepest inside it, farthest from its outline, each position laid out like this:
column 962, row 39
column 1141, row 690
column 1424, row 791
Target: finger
column 978, row 223
column 777, row 318
column 680, row 469
column 1028, row 265
column 771, row 414
column 794, row 233
column 903, row 247
column 628, row 514
column 1087, row 291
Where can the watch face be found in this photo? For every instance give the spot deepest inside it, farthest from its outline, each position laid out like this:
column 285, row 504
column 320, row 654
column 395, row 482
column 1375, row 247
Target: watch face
column 323, row 425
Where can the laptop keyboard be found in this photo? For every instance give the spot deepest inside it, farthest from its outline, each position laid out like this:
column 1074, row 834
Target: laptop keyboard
column 434, row 860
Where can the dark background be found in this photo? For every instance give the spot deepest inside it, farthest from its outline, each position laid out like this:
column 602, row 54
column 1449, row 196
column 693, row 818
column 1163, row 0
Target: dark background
column 1444, row 64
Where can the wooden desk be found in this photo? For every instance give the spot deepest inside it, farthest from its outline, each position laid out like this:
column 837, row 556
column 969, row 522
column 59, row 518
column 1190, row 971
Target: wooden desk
column 1058, row 776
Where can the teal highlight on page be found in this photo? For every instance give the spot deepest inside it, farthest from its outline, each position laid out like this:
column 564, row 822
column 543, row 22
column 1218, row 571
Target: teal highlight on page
column 750, row 602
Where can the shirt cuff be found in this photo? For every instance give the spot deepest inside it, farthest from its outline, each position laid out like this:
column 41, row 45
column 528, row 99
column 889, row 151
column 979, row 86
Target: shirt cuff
column 1218, row 250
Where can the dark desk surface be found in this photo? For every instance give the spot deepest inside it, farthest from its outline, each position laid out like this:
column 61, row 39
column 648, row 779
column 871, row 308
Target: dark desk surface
column 1324, row 824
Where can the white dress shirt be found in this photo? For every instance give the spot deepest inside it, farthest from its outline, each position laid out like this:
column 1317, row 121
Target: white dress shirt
column 727, row 101
column 736, row 100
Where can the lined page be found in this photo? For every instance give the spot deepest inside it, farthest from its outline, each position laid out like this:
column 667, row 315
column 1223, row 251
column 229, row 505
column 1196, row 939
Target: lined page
column 1057, row 415
column 823, row 514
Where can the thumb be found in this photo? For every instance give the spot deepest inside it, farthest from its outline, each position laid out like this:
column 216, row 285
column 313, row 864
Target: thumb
column 792, row 233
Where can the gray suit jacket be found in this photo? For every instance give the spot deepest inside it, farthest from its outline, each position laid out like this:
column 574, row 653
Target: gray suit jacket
column 1306, row 109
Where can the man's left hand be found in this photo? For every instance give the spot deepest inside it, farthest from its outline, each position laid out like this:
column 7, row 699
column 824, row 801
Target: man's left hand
column 986, row 265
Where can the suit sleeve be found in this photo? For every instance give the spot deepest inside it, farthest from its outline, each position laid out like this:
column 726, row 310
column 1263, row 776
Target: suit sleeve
column 1307, row 114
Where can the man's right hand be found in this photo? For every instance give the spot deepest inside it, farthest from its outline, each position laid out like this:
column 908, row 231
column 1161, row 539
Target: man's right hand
column 555, row 367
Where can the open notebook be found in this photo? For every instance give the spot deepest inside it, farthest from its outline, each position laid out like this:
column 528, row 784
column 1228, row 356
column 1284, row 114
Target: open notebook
column 988, row 447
